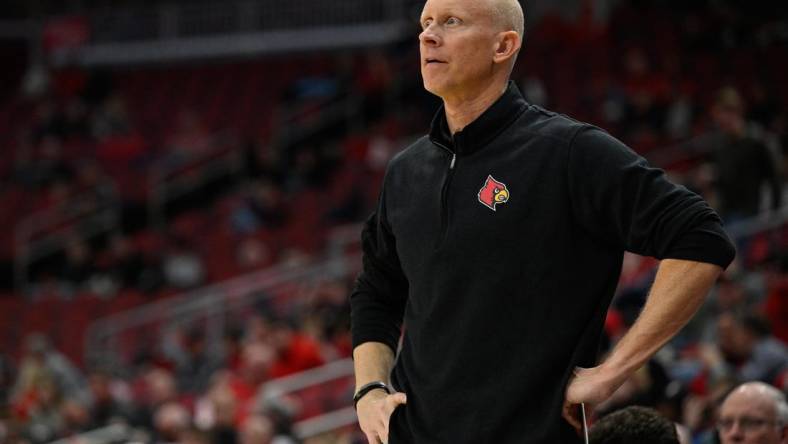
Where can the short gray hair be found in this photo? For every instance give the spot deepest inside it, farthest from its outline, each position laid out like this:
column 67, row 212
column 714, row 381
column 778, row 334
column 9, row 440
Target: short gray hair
column 510, row 14
column 780, row 404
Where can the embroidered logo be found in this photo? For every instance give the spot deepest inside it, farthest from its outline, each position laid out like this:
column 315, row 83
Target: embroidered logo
column 493, row 192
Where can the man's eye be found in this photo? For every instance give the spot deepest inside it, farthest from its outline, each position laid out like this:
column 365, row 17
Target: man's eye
column 452, row 21
column 426, row 24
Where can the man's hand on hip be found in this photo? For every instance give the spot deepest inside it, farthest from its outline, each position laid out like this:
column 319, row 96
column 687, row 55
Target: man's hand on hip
column 374, row 412
column 591, row 386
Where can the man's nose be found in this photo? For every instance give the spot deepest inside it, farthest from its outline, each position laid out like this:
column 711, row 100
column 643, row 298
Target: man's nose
column 734, row 435
column 429, row 37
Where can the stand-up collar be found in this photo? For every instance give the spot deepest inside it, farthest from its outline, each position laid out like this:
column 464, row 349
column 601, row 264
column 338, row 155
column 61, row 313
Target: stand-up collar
column 486, row 127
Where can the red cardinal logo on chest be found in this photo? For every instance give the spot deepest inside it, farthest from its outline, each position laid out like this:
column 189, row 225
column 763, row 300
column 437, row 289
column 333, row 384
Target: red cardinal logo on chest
column 493, row 192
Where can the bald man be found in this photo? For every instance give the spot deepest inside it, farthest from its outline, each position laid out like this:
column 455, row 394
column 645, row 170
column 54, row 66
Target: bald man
column 497, row 242
column 754, row 413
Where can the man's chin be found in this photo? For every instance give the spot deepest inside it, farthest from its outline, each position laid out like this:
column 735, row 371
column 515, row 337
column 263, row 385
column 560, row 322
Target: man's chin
column 434, row 87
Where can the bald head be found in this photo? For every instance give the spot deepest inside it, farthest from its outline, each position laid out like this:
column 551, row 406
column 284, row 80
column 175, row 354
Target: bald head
column 766, row 394
column 754, row 413
column 469, row 47
column 508, row 16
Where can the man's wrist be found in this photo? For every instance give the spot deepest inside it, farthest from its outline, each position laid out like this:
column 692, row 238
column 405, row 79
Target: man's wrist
column 371, row 386
column 615, row 370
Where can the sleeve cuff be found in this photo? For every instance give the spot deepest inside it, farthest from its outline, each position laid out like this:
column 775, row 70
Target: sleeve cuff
column 708, row 243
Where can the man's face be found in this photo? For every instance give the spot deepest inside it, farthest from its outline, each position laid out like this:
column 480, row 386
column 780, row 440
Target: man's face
column 749, row 418
column 457, row 45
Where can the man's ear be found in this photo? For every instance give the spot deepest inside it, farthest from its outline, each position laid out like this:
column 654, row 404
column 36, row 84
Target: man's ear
column 507, row 46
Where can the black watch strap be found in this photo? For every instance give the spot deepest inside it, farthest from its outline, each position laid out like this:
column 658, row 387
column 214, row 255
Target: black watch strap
column 366, row 388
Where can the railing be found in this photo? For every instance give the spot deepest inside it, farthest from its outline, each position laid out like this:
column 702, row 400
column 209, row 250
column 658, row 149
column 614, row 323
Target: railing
column 46, row 232
column 169, row 183
column 111, row 341
column 272, row 390
column 173, row 20
column 293, row 384
column 115, row 433
column 180, row 31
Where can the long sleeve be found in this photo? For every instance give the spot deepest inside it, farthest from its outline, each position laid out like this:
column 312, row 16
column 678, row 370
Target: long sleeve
column 380, row 292
column 617, row 197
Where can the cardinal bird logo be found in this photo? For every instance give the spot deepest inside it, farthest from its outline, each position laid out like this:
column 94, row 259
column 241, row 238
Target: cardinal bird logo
column 493, row 192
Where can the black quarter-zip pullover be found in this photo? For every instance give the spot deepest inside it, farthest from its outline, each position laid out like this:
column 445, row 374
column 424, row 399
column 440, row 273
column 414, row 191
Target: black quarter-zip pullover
column 500, row 249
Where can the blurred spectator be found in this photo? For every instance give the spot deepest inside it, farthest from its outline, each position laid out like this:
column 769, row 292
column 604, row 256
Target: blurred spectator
column 194, row 436
column 312, row 166
column 171, row 421
column 255, row 369
column 158, row 390
column 183, row 267
column 253, row 254
column 263, row 206
column 79, row 265
column 295, row 351
column 633, row 425
column 742, row 163
column 264, row 162
column 75, row 417
column 126, row 264
column 261, row 429
column 754, row 413
column 7, row 378
column 50, row 167
column 107, row 407
column 189, row 140
column 91, row 180
column 42, row 418
column 257, row 429
column 36, row 81
column 111, row 118
column 760, row 355
column 226, row 414
column 75, row 120
column 50, row 394
column 194, row 361
column 48, row 121
column 42, row 364
column 327, row 317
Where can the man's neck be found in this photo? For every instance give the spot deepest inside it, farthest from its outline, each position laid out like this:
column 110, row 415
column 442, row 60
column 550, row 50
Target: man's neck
column 462, row 110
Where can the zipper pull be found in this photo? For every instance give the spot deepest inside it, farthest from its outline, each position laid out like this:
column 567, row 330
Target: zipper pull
column 453, row 160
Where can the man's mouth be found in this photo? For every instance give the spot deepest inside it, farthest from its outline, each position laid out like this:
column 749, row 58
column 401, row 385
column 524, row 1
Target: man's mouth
column 430, row 60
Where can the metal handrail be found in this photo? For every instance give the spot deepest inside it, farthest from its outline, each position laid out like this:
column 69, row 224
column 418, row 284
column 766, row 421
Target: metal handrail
column 55, row 225
column 325, row 423
column 320, row 424
column 168, row 183
column 298, row 381
column 113, row 433
column 209, row 302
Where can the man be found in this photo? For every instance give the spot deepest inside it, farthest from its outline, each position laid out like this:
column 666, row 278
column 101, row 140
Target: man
column 743, row 165
column 498, row 242
column 746, row 339
column 633, row 425
column 754, row 413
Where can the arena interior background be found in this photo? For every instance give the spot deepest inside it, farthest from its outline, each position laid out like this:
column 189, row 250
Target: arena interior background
column 182, row 182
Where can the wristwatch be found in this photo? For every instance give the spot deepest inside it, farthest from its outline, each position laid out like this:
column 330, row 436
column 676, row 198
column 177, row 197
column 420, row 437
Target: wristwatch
column 366, row 388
